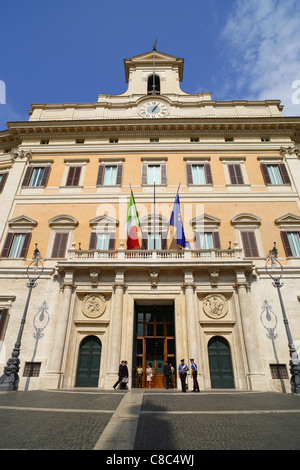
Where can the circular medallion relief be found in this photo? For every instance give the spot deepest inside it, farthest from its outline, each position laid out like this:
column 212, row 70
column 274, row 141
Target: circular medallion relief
column 215, row 305
column 93, row 306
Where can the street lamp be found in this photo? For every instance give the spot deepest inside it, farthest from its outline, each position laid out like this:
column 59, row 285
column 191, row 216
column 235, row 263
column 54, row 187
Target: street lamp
column 9, row 380
column 294, row 362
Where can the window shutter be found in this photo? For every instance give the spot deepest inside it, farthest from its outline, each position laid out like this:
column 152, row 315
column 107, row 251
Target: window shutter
column 3, row 321
column 284, row 174
column 112, row 241
column 197, row 240
column 265, row 173
column 3, row 181
column 216, row 240
column 119, row 174
column 249, row 244
column 164, row 236
column 46, row 176
column 76, row 176
column 70, row 176
column 25, row 245
column 144, row 240
column 7, row 245
column 208, row 175
column 144, row 174
column 163, row 168
column 189, row 175
column 235, row 174
column 100, row 176
column 27, row 176
column 60, row 245
column 286, row 244
column 93, row 241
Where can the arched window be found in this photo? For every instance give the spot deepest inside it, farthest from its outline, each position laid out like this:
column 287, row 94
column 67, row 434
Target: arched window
column 156, row 89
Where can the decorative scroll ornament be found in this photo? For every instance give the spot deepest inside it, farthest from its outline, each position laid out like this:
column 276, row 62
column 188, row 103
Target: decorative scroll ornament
column 215, row 306
column 93, row 306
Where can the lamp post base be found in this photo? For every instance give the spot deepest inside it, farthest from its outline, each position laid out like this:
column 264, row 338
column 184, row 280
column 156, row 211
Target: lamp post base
column 9, row 380
column 295, row 372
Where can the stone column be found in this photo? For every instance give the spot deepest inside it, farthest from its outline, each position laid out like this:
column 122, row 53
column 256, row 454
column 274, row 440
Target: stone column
column 256, row 379
column 191, row 323
column 61, row 327
column 116, row 329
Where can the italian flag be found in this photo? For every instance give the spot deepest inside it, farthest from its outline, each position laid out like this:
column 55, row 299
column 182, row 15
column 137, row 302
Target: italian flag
column 132, row 222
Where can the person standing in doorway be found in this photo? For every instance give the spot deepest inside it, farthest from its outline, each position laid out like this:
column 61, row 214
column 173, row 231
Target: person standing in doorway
column 183, row 369
column 194, row 375
column 148, row 376
column 139, row 375
column 167, row 373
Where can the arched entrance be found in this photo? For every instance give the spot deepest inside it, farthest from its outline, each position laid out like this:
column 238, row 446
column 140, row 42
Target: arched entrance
column 220, row 364
column 89, row 362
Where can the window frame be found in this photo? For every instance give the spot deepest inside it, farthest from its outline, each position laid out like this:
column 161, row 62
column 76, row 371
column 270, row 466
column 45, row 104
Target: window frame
column 163, row 172
column 101, row 174
column 282, row 170
column 207, row 173
column 4, row 175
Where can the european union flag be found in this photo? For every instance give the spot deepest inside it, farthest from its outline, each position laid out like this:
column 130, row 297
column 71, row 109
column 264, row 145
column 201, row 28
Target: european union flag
column 176, row 221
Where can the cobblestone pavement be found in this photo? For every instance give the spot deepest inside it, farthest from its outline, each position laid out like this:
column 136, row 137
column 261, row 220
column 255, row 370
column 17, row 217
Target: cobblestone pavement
column 166, row 420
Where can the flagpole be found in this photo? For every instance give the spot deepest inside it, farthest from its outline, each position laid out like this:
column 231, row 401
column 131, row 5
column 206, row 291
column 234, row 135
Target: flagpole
column 143, row 241
column 154, row 217
column 173, row 206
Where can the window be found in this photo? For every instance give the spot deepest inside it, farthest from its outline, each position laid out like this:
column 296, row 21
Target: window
column 102, row 241
column 207, row 240
column 194, row 139
column 153, row 141
column 36, row 176
column 229, row 139
column 265, row 139
column 278, row 371
column 153, row 90
column 198, row 174
column 16, row 245
column 113, row 141
column 154, row 173
column 3, row 178
column 154, row 242
column 110, row 175
column 275, row 173
column 44, row 142
column 291, row 243
column 249, row 244
column 73, row 176
column 60, row 245
column 79, row 141
column 32, row 369
column 235, row 174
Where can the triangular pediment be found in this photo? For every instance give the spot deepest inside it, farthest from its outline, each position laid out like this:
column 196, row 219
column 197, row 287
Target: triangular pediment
column 22, row 221
column 103, row 220
column 205, row 219
column 147, row 60
column 288, row 219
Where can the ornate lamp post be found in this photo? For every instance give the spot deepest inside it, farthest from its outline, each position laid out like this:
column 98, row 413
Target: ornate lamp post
column 9, row 380
column 295, row 361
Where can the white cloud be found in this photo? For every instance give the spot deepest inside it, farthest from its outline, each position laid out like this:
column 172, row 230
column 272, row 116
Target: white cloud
column 262, row 38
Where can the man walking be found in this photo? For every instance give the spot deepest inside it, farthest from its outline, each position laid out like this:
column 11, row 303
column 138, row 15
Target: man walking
column 183, row 369
column 194, row 375
column 167, row 373
column 120, row 375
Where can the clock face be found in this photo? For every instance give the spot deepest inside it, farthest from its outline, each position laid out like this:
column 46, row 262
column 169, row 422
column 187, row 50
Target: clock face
column 153, row 109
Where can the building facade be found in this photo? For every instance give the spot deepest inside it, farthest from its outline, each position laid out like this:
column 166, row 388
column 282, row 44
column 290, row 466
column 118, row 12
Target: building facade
column 66, row 176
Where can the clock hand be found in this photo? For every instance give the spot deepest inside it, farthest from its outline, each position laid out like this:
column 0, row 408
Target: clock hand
column 154, row 108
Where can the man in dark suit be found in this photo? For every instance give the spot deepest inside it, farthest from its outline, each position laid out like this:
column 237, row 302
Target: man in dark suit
column 120, row 375
column 167, row 373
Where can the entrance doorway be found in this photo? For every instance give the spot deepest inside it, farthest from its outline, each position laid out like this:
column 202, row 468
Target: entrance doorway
column 89, row 362
column 154, row 341
column 220, row 364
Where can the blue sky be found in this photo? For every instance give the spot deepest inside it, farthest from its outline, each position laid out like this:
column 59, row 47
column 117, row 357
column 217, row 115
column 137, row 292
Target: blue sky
column 72, row 50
